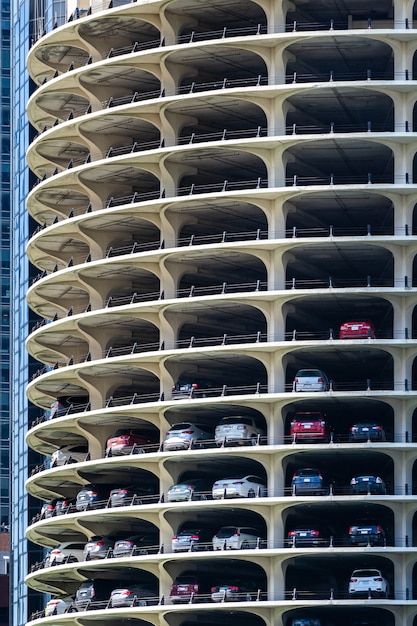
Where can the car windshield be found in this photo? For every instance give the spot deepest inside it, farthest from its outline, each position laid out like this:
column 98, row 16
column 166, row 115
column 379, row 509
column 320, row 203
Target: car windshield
column 308, row 472
column 311, row 417
column 185, row 580
column 236, row 420
column 183, row 426
column 226, row 531
column 309, row 374
column 365, row 573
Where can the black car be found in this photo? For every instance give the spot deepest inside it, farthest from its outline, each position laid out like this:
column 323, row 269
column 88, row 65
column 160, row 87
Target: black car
column 191, row 386
column 366, row 431
column 92, row 497
column 307, row 536
column 366, row 534
column 367, row 484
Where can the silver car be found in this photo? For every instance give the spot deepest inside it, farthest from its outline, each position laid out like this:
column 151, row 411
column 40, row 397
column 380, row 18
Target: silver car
column 310, row 380
column 98, row 548
column 67, row 552
column 192, row 489
column 185, row 435
column 73, row 453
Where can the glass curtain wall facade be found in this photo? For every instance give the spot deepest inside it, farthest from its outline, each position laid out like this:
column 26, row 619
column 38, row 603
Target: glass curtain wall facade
column 21, row 320
column 5, row 261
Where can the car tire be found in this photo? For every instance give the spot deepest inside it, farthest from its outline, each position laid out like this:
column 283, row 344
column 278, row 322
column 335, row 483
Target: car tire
column 251, row 493
column 245, row 545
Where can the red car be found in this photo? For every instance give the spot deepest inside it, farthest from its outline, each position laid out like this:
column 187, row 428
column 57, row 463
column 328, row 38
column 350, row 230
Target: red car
column 129, row 441
column 357, row 330
column 188, row 586
column 309, row 426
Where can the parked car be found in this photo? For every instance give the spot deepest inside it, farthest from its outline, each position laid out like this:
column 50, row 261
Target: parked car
column 367, row 484
column 191, row 386
column 308, row 480
column 48, row 509
column 192, row 489
column 58, row 606
column 367, row 534
column 239, row 487
column 57, row 506
column 309, row 426
column 234, row 591
column 66, row 552
column 143, row 543
column 98, row 548
column 69, row 454
column 368, row 582
column 192, row 539
column 66, row 405
column 357, row 330
column 133, row 494
column 307, row 537
column 185, row 435
column 123, row 496
column 310, row 380
column 67, row 505
column 366, row 431
column 187, row 586
column 129, row 441
column 237, row 538
column 92, row 497
column 134, row 595
column 237, row 429
column 97, row 590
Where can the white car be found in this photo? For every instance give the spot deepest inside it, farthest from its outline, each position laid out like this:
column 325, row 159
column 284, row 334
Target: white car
column 310, row 380
column 67, row 552
column 239, row 487
column 73, row 453
column 58, row 606
column 236, row 538
column 184, row 435
column 239, row 429
column 368, row 583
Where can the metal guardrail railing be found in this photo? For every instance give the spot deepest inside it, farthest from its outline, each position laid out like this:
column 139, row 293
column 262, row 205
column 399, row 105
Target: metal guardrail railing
column 370, row 490
column 233, row 288
column 369, row 386
column 222, row 340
